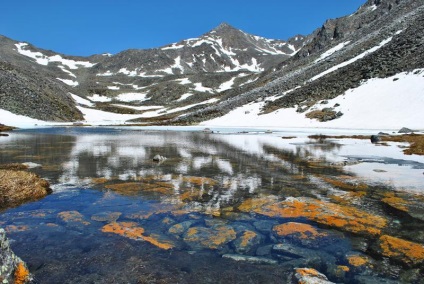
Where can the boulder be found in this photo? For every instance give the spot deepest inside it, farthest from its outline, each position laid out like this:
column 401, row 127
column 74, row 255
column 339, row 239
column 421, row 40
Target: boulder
column 200, row 238
column 13, row 269
column 375, row 138
column 310, row 275
column 405, row 130
column 250, row 259
column 248, row 241
column 159, row 158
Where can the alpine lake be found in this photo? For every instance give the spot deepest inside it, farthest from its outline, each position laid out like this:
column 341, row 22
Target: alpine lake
column 227, row 206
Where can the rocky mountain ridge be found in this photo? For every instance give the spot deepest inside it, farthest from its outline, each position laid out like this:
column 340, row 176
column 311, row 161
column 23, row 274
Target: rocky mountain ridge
column 183, row 73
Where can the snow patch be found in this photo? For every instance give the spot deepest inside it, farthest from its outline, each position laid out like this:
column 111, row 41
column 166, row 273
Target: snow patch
column 226, row 85
column 115, row 88
column 45, row 60
column 333, row 50
column 350, row 61
column 184, row 96
column 69, row 82
column 99, row 98
column 199, row 88
column 184, row 81
column 131, row 97
column 81, row 101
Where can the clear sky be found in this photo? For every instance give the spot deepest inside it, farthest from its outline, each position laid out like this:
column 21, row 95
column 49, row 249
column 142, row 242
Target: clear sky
column 85, row 27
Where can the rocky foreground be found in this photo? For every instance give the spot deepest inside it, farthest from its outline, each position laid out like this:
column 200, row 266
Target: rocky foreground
column 13, row 269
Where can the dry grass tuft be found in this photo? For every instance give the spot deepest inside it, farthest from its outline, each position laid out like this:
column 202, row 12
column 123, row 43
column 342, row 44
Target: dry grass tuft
column 13, row 167
column 5, row 128
column 17, row 187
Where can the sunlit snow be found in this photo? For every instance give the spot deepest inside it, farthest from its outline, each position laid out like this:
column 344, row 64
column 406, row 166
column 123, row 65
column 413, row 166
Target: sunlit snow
column 350, row 61
column 389, row 103
column 69, row 82
column 99, row 98
column 45, row 60
column 131, row 97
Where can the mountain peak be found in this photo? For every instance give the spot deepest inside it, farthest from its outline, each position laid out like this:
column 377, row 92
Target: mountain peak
column 224, row 26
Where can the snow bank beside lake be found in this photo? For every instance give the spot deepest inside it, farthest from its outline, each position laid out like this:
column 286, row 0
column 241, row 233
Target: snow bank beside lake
column 389, row 103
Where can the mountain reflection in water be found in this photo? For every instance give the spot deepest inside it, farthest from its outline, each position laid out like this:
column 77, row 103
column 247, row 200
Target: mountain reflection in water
column 228, row 208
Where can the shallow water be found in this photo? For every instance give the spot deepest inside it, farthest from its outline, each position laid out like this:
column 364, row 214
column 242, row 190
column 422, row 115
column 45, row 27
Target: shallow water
column 115, row 216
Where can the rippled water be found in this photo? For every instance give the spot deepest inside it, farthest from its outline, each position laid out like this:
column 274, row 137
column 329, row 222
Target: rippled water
column 115, row 216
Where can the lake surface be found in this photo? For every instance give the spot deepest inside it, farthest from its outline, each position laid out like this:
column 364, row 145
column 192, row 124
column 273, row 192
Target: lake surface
column 225, row 207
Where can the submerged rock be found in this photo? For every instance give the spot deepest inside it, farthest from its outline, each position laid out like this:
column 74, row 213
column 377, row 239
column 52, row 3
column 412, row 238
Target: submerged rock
column 250, row 259
column 72, row 218
column 406, row 252
column 13, row 269
column 413, row 205
column 180, row 228
column 343, row 217
column 106, row 216
column 133, row 231
column 310, row 275
column 248, row 241
column 209, row 238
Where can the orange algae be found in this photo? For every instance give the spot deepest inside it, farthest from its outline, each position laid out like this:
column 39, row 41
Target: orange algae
column 357, row 260
column 21, row 274
column 125, row 229
column 344, row 185
column 307, row 272
column 347, row 218
column 210, row 238
column 16, row 228
column 408, row 252
column 343, row 268
column 154, row 241
column 72, row 216
column 132, row 231
column 397, row 202
column 247, row 237
column 304, row 231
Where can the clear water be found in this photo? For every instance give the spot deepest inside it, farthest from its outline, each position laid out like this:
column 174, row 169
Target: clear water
column 106, row 175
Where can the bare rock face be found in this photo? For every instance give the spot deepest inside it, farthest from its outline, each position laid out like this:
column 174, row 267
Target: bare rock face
column 13, row 269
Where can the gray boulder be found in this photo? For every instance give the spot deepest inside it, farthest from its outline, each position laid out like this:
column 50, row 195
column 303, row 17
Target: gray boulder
column 405, row 130
column 13, row 269
column 375, row 138
column 159, row 158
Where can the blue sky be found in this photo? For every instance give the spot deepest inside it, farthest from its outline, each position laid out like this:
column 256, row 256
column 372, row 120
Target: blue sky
column 85, row 27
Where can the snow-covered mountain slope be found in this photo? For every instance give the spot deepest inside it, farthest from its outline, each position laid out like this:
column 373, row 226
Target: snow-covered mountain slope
column 335, row 77
column 392, row 43
column 375, row 104
column 224, row 49
column 178, row 75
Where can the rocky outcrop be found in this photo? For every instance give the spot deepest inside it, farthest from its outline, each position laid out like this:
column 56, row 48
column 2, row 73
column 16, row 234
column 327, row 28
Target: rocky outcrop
column 13, row 269
column 36, row 95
